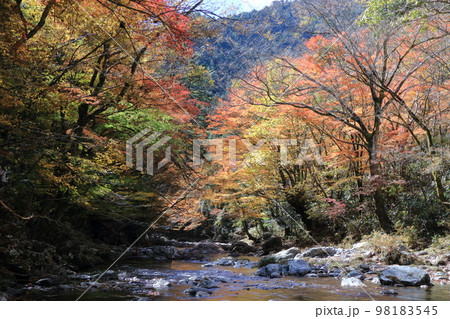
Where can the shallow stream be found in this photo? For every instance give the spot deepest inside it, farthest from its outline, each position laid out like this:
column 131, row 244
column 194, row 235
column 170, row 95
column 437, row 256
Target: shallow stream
column 135, row 275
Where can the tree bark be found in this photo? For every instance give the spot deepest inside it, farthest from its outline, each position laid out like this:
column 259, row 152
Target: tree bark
column 378, row 196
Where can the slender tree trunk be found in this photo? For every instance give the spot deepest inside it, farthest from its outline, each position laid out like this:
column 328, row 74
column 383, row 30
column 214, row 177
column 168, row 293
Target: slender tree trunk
column 436, row 176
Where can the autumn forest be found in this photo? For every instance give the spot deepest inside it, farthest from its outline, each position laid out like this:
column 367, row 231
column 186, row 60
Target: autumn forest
column 303, row 124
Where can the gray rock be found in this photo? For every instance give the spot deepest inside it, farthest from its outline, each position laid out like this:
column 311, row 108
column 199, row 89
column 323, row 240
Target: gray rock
column 298, row 267
column 160, row 283
column 225, row 261
column 352, row 282
column 404, row 275
column 286, row 254
column 318, row 252
column 194, row 290
column 270, row 270
column 207, row 283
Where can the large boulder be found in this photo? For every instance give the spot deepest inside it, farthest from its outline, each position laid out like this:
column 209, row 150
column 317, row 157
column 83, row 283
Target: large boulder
column 241, row 248
column 270, row 270
column 298, row 267
column 404, row 275
column 286, row 254
column 272, row 244
column 318, row 252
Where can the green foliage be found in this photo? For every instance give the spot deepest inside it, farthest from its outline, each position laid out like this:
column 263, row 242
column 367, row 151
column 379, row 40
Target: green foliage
column 124, row 124
column 393, row 11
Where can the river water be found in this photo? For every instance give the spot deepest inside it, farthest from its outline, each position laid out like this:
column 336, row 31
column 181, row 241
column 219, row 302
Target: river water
column 235, row 284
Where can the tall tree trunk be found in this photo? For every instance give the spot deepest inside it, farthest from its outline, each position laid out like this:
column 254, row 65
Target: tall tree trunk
column 375, row 172
column 298, row 202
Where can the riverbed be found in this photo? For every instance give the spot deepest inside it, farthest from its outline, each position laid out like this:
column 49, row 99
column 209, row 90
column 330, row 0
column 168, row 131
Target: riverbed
column 132, row 280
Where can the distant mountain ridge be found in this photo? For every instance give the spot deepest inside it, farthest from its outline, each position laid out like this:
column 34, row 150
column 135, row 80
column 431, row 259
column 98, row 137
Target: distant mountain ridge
column 277, row 30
